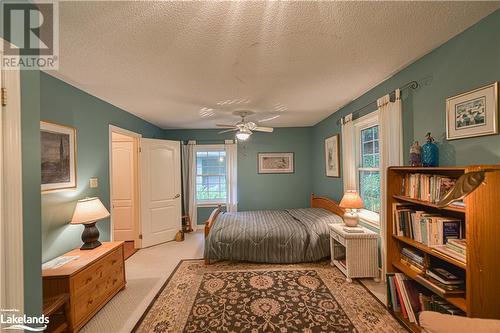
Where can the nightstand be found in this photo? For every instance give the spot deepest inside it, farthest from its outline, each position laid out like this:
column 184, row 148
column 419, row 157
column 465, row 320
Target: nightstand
column 355, row 254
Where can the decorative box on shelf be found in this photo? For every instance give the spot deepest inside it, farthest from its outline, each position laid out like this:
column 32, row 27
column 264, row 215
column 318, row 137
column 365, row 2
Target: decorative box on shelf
column 354, row 253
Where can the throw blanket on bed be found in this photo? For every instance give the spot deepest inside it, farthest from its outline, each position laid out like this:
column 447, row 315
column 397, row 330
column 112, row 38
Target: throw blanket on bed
column 271, row 236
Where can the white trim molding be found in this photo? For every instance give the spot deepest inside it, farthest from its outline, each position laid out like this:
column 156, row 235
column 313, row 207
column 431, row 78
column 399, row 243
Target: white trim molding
column 137, row 170
column 12, row 272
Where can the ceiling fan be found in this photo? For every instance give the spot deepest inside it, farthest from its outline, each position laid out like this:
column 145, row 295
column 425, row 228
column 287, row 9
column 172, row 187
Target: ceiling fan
column 244, row 128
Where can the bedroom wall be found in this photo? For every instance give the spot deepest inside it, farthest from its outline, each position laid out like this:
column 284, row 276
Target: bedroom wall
column 270, row 191
column 467, row 61
column 64, row 104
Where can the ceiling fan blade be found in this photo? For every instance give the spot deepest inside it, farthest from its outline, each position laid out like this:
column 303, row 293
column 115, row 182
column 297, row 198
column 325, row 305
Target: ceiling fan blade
column 229, row 130
column 269, row 118
column 225, row 126
column 263, row 129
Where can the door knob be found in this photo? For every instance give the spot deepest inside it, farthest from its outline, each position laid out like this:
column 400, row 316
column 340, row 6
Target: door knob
column 176, row 196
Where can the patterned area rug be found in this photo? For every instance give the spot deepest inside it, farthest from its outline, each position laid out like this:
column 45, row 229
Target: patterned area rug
column 243, row 297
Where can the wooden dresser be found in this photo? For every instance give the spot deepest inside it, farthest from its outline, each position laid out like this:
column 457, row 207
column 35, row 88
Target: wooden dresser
column 90, row 281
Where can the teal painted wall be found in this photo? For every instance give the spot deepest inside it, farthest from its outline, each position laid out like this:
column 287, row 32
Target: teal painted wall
column 32, row 240
column 468, row 61
column 64, row 104
column 270, row 191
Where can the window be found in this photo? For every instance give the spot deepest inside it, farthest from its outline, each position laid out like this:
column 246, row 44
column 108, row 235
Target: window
column 211, row 185
column 368, row 168
column 367, row 161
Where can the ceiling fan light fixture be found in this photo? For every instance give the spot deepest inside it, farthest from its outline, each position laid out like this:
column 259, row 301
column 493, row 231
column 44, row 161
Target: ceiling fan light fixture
column 243, row 134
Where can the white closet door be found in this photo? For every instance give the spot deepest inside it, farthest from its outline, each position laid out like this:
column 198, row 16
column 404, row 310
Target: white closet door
column 123, row 205
column 160, row 190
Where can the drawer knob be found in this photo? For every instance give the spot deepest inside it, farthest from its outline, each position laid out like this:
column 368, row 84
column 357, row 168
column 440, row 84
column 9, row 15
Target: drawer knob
column 90, row 302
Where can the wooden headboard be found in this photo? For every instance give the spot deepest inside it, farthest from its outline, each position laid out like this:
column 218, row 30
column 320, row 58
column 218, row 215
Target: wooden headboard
column 211, row 220
column 326, row 203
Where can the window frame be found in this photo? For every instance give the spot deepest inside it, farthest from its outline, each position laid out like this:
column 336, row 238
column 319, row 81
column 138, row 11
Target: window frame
column 372, row 119
column 209, row 202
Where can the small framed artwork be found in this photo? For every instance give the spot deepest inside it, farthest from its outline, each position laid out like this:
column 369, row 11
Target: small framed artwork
column 332, row 156
column 276, row 162
column 58, row 156
column 474, row 113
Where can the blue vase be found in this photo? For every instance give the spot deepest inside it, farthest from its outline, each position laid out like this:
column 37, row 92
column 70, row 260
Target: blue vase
column 430, row 153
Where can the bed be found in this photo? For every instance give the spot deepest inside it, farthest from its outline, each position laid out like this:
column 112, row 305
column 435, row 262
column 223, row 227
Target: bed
column 272, row 236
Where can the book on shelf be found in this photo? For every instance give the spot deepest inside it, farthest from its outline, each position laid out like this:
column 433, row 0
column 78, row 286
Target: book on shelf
column 444, row 276
column 425, row 228
column 409, row 298
column 438, row 304
column 426, row 187
column 450, row 252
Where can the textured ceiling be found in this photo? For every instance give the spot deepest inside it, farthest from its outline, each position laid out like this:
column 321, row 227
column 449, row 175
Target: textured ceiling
column 189, row 64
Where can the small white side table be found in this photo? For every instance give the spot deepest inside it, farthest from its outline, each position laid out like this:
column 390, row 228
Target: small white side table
column 355, row 254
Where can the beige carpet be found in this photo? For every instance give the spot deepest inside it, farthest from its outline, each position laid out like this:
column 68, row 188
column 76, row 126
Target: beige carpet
column 146, row 272
column 243, row 297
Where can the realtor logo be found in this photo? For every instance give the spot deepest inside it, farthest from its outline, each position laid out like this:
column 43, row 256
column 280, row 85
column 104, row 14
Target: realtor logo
column 31, row 32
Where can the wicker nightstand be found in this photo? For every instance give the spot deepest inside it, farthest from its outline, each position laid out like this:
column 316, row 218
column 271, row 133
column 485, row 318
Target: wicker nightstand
column 355, row 254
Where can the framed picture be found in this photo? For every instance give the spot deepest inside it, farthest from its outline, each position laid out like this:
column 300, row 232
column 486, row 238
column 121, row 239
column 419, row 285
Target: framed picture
column 58, row 156
column 474, row 113
column 332, row 156
column 276, row 162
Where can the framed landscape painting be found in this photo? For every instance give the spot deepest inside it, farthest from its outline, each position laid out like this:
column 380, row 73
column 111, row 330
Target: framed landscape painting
column 332, row 156
column 58, row 156
column 276, row 163
column 474, row 113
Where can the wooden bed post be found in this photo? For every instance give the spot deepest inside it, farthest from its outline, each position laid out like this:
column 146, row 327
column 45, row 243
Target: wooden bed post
column 210, row 222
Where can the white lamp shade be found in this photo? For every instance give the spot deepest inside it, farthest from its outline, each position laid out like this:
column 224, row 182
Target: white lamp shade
column 88, row 211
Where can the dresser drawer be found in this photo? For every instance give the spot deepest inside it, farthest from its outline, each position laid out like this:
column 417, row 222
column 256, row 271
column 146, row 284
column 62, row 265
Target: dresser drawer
column 95, row 284
column 86, row 303
column 337, row 237
column 87, row 279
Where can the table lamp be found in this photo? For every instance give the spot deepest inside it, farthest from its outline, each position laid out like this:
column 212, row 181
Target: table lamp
column 87, row 212
column 351, row 201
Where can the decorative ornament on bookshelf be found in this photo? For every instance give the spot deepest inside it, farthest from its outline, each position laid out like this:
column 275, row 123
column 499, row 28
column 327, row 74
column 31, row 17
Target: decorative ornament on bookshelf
column 415, row 155
column 464, row 186
column 430, row 152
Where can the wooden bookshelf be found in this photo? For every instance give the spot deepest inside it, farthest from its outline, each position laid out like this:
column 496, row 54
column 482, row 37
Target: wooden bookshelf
column 480, row 215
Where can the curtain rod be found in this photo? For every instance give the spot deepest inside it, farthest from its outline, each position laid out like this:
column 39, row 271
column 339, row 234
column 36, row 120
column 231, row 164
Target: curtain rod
column 412, row 84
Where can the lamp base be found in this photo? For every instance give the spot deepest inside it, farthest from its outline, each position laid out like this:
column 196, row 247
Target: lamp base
column 90, row 237
column 351, row 219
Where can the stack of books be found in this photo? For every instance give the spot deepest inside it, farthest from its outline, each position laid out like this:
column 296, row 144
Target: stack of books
column 447, row 282
column 403, row 295
column 412, row 259
column 407, row 297
column 429, row 229
column 438, row 304
column 454, row 248
column 426, row 187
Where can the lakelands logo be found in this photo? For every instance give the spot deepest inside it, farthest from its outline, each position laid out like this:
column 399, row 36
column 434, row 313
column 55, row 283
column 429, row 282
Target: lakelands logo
column 31, row 31
column 13, row 320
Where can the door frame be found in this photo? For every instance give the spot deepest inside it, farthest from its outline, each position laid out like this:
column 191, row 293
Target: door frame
column 11, row 234
column 137, row 188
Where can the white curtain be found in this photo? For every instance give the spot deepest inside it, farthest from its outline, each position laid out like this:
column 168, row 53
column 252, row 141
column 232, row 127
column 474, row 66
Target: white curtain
column 348, row 154
column 231, row 175
column 192, row 207
column 391, row 153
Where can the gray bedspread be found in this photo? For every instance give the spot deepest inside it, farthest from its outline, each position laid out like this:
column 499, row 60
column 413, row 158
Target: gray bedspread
column 271, row 236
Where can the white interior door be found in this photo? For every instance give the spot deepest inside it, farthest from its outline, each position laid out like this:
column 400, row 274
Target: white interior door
column 160, row 190
column 123, row 182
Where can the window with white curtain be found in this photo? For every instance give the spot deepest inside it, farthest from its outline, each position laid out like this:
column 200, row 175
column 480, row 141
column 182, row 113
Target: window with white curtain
column 211, row 177
column 367, row 161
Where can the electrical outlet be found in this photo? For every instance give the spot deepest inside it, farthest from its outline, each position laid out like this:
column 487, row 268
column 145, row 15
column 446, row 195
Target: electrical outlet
column 94, row 183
